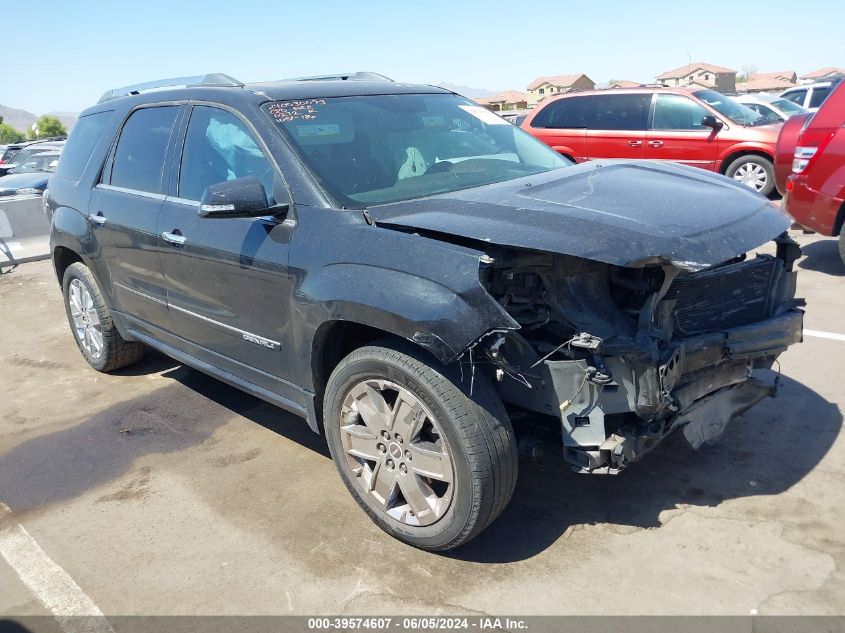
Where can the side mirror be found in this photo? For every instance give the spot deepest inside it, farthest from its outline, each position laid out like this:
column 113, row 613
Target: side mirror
column 239, row 198
column 712, row 122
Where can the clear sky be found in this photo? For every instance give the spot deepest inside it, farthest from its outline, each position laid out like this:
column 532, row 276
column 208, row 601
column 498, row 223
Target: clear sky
column 62, row 55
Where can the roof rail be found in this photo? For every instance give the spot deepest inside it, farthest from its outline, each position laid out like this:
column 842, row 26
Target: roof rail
column 210, row 80
column 357, row 76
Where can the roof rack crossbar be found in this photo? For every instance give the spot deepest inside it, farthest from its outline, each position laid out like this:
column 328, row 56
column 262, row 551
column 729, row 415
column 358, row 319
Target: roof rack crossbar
column 356, row 76
column 209, row 80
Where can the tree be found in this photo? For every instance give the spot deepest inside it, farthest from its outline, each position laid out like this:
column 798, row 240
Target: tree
column 47, row 126
column 8, row 134
column 747, row 71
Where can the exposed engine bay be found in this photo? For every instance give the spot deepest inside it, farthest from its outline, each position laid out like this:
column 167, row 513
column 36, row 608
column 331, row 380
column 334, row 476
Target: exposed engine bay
column 624, row 356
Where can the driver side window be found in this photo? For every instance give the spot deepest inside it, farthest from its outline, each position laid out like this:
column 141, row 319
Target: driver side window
column 219, row 147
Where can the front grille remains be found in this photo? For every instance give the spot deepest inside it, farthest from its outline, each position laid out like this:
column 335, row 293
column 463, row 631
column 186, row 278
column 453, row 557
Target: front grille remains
column 724, row 297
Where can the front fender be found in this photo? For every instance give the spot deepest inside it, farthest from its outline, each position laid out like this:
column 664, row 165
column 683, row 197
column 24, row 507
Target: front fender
column 424, row 290
column 442, row 318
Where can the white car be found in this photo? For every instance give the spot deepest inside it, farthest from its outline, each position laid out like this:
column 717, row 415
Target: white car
column 774, row 107
column 811, row 96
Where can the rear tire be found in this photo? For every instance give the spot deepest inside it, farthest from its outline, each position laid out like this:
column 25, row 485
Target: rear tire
column 756, row 172
column 392, row 414
column 91, row 323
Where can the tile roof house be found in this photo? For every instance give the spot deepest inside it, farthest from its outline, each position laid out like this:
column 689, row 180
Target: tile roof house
column 507, row 100
column 822, row 73
column 701, row 74
column 768, row 82
column 542, row 87
column 623, row 83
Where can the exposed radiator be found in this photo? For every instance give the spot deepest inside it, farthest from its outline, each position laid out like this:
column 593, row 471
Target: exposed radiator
column 725, row 297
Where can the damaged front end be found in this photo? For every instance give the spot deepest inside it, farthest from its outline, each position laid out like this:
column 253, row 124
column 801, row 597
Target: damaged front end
column 626, row 355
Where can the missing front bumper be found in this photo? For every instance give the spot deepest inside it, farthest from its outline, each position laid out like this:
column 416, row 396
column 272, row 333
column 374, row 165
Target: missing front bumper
column 703, row 383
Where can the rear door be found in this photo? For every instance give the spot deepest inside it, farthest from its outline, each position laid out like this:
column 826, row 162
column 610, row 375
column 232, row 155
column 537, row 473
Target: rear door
column 617, row 124
column 562, row 125
column 676, row 133
column 228, row 287
column 817, row 97
column 125, row 208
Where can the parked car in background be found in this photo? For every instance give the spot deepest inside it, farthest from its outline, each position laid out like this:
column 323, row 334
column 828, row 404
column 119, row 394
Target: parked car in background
column 30, row 178
column 811, row 96
column 394, row 263
column 22, row 152
column 701, row 128
column 814, row 185
column 776, row 108
column 514, row 116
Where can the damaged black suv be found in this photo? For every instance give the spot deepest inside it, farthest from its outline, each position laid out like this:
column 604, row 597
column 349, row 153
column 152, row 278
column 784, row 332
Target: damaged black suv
column 406, row 270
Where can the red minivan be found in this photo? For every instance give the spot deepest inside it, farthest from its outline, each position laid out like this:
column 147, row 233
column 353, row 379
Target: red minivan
column 812, row 148
column 702, row 128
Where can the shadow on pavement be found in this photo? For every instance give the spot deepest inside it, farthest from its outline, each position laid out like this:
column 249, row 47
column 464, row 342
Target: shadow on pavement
column 774, row 446
column 65, row 464
column 823, row 256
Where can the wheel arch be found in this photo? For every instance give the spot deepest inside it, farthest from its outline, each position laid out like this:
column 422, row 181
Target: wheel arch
column 63, row 257
column 840, row 220
column 745, row 151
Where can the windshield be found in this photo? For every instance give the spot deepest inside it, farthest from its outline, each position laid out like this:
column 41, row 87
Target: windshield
column 377, row 149
column 25, row 155
column 36, row 163
column 736, row 112
column 788, row 107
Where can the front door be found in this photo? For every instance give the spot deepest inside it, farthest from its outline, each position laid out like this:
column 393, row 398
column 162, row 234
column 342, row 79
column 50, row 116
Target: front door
column 228, row 288
column 125, row 209
column 677, row 134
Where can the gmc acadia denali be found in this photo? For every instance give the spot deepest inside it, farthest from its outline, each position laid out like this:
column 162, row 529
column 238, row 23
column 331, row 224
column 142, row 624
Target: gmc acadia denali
column 406, row 270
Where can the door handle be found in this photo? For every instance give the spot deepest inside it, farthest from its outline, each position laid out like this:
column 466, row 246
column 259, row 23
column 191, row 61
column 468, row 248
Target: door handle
column 98, row 219
column 634, row 143
column 174, row 238
column 655, row 143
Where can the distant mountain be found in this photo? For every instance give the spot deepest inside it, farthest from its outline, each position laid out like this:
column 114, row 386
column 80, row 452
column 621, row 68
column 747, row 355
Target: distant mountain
column 23, row 120
column 466, row 90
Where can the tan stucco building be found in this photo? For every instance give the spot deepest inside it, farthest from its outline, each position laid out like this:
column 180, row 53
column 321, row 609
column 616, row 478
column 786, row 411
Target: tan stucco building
column 700, row 74
column 543, row 87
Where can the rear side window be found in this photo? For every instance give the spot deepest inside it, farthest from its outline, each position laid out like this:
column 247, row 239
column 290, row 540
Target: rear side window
column 565, row 113
column 139, row 157
column 83, row 138
column 619, row 112
column 818, row 96
column 674, row 112
column 796, row 96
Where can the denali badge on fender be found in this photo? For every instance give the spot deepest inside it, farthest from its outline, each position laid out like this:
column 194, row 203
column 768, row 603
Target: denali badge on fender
column 258, row 340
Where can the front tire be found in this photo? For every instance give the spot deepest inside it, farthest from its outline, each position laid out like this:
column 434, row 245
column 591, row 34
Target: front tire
column 429, row 463
column 91, row 323
column 753, row 171
column 842, row 245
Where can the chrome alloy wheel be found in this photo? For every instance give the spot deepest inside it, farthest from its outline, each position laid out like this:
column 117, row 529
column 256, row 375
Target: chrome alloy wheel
column 86, row 321
column 752, row 175
column 396, row 452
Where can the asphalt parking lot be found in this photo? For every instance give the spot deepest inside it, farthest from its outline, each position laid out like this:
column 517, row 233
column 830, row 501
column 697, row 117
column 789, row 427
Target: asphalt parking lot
column 158, row 490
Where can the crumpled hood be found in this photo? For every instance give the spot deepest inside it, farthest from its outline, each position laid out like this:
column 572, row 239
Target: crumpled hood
column 626, row 213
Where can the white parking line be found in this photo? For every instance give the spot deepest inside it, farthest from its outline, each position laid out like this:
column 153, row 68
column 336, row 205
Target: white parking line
column 49, row 583
column 820, row 334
